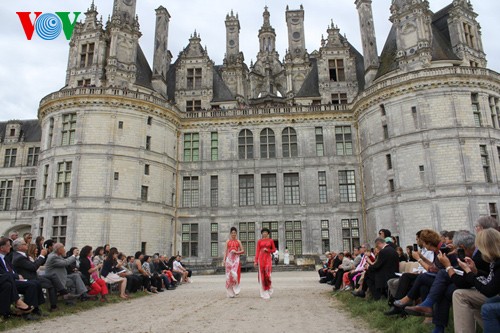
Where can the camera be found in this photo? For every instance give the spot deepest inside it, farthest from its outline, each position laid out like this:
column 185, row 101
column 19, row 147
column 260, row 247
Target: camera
column 415, row 247
column 445, row 250
column 461, row 254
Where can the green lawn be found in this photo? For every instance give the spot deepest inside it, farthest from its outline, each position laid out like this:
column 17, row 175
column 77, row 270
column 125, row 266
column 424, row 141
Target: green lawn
column 64, row 310
column 372, row 312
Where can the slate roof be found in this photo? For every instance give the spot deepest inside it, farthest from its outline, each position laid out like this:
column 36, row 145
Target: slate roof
column 441, row 43
column 30, row 129
column 310, row 87
column 144, row 74
column 220, row 89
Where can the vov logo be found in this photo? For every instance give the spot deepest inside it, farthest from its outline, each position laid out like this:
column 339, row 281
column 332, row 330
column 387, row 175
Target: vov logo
column 48, row 26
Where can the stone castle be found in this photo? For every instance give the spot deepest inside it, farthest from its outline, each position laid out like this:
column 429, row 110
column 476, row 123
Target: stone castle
column 323, row 148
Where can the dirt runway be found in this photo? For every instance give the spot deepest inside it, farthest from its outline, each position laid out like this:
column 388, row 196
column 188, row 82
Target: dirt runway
column 299, row 304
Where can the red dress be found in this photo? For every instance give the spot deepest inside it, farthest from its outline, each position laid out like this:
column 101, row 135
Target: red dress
column 265, row 247
column 233, row 266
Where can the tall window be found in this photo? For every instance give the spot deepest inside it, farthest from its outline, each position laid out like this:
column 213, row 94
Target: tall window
column 495, row 112
column 41, row 226
column 486, row 163
column 214, row 191
column 325, row 236
column 382, row 110
column 388, row 160
column 320, row 149
column 5, row 194
column 289, row 138
column 59, row 225
column 343, row 138
column 87, row 55
column 29, row 194
column 469, row 35
column 194, row 105
column 194, row 76
column 339, row 98
column 33, row 153
column 476, row 110
column 269, row 189
column 68, row 129
column 148, row 142
column 214, row 146
column 267, row 143
column 347, row 186
column 493, row 210
column 336, row 69
column 147, row 168
column 214, row 240
column 144, row 193
column 10, row 158
column 245, row 144
column 292, row 190
column 247, row 191
column 293, row 237
column 385, row 131
column 247, row 237
column 190, row 192
column 63, row 179
column 392, row 187
column 45, row 180
column 350, row 234
column 191, row 147
column 51, row 131
column 322, row 186
column 190, row 239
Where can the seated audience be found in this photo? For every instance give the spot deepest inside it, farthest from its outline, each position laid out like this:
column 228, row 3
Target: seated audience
column 179, row 267
column 110, row 272
column 90, row 276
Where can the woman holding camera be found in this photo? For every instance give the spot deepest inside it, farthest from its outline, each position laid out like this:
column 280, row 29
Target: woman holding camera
column 234, row 249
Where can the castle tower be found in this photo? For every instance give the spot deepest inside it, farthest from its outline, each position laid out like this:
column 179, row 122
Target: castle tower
column 465, row 34
column 124, row 34
column 412, row 21
column 368, row 39
column 234, row 71
column 162, row 56
column 87, row 52
column 267, row 35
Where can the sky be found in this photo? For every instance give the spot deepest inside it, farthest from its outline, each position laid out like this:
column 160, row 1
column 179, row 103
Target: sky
column 31, row 69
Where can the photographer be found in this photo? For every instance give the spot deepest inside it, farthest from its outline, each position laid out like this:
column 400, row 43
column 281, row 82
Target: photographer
column 467, row 302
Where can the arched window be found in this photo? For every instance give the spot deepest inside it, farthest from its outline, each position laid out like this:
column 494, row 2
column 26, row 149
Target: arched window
column 245, row 144
column 267, row 143
column 289, row 138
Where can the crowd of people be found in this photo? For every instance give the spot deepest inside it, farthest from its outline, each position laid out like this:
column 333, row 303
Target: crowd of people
column 34, row 273
column 451, row 269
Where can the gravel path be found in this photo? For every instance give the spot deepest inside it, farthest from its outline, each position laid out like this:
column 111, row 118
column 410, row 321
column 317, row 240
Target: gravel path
column 299, row 304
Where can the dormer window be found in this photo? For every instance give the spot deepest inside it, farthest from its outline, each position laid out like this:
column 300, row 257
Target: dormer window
column 469, row 35
column 194, row 78
column 336, row 68
column 12, row 132
column 87, row 55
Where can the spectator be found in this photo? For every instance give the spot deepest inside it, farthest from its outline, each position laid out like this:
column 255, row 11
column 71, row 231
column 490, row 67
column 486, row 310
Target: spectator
column 402, row 256
column 32, row 252
column 98, row 258
column 10, row 295
column 106, row 248
column 13, row 235
column 409, row 255
column 137, row 270
column 110, row 272
column 467, row 302
column 490, row 313
column 90, row 276
column 346, row 266
column 39, row 243
column 32, row 290
column 178, row 267
column 383, row 269
column 328, row 264
column 156, row 281
column 28, row 237
column 49, row 245
column 56, row 264
column 133, row 282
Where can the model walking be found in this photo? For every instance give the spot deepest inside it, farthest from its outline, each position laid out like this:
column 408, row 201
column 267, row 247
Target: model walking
column 232, row 262
column 265, row 248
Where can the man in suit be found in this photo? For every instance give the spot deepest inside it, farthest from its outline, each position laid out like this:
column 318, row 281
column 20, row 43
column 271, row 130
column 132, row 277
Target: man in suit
column 56, row 264
column 383, row 269
column 28, row 269
column 13, row 235
column 32, row 290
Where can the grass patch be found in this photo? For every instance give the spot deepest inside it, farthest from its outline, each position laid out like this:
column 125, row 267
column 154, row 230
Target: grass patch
column 64, row 309
column 372, row 312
